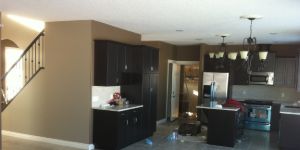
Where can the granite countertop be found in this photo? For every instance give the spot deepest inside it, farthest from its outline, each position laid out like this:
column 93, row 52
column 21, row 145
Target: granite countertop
column 290, row 109
column 119, row 108
column 223, row 108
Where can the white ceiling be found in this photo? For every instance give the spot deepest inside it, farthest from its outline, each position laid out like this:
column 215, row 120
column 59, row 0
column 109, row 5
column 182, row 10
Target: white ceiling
column 159, row 19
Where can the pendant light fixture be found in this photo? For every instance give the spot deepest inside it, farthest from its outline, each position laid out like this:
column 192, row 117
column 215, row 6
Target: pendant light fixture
column 250, row 43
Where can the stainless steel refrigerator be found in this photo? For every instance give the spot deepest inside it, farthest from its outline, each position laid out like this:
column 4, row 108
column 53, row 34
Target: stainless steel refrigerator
column 215, row 87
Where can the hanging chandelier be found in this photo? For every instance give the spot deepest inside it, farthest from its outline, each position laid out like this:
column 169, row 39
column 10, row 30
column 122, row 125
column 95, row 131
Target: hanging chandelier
column 222, row 49
column 250, row 43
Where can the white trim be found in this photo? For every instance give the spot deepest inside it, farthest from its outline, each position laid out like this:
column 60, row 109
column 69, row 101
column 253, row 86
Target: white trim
column 49, row 140
column 161, row 121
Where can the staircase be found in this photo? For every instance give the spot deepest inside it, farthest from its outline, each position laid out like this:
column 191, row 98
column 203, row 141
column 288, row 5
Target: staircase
column 27, row 66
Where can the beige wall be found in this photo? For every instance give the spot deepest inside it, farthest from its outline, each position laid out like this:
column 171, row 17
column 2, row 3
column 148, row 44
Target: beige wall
column 16, row 32
column 188, row 53
column 56, row 104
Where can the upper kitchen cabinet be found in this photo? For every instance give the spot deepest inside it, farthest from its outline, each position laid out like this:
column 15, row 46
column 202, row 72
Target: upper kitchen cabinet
column 107, row 61
column 215, row 65
column 286, row 72
column 150, row 59
column 130, row 59
column 238, row 72
column 266, row 66
column 112, row 59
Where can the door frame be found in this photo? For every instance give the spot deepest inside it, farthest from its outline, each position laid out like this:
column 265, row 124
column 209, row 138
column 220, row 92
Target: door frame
column 168, row 102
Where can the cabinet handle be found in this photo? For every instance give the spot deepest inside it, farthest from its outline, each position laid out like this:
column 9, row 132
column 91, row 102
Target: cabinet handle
column 126, row 122
column 151, row 68
column 136, row 120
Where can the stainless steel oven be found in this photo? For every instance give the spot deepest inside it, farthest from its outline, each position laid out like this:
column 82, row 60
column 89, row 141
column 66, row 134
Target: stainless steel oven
column 262, row 78
column 258, row 115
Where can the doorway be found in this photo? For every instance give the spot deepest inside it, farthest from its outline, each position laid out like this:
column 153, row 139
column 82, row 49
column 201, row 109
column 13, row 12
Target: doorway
column 182, row 88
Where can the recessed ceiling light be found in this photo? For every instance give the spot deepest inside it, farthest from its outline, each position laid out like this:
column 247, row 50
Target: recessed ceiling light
column 223, row 34
column 251, row 17
column 179, row 30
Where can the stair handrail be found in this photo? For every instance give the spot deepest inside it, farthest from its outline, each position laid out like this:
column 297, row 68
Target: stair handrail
column 42, row 33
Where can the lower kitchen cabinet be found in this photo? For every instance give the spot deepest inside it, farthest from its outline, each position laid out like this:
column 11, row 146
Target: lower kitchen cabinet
column 115, row 130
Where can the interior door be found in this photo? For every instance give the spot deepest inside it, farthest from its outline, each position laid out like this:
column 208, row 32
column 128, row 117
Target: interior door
column 175, row 91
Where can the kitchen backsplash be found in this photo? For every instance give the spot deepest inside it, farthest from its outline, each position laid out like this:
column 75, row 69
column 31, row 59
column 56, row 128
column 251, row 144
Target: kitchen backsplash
column 261, row 92
column 102, row 94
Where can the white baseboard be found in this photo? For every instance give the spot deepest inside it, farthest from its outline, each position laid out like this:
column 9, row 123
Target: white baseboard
column 161, row 121
column 49, row 140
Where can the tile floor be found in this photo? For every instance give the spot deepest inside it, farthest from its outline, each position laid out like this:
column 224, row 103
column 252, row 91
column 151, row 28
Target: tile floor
column 252, row 140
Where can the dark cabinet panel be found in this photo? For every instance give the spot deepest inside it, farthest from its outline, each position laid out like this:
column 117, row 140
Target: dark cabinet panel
column 106, row 69
column 112, row 59
column 150, row 82
column 286, row 72
column 115, row 130
column 266, row 66
column 239, row 72
column 215, row 65
column 150, row 59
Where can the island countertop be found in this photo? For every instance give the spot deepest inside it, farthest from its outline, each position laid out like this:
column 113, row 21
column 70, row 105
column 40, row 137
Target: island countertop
column 290, row 109
column 119, row 108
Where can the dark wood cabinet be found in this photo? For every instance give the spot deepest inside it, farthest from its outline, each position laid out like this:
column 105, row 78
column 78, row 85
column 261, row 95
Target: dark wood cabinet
column 150, row 83
column 112, row 59
column 106, row 63
column 150, row 59
column 239, row 72
column 135, row 69
column 286, row 72
column 266, row 66
column 216, row 65
column 115, row 130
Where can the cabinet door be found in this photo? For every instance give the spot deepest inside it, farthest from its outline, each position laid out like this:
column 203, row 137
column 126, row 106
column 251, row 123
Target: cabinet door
column 240, row 75
column 124, row 128
column 106, row 63
column 153, row 100
column 147, row 105
column 113, row 76
column 285, row 72
column 150, row 59
column 155, row 60
column 136, row 124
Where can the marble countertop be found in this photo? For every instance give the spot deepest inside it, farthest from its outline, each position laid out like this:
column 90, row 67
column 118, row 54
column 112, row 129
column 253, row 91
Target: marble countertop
column 119, row 108
column 217, row 108
column 290, row 109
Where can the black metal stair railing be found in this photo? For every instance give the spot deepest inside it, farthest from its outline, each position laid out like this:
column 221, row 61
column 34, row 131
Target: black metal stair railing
column 23, row 70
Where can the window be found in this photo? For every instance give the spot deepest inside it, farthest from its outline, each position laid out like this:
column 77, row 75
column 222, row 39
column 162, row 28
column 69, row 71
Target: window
column 14, row 81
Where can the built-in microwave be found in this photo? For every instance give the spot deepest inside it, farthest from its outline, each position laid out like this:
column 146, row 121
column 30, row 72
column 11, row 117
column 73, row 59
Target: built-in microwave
column 261, row 78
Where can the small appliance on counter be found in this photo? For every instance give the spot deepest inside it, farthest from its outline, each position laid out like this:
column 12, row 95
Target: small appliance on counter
column 258, row 114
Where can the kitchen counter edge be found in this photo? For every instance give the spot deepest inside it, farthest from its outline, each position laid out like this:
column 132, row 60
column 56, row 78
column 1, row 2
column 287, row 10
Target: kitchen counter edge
column 119, row 108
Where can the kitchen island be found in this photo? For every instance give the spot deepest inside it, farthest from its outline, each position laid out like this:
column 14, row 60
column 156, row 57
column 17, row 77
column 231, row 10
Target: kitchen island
column 289, row 131
column 222, row 127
